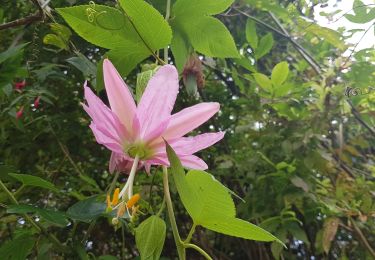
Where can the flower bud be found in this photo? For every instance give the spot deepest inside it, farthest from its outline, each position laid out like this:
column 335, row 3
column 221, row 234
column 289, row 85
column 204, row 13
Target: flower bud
column 192, row 74
column 19, row 113
column 36, row 102
column 18, row 86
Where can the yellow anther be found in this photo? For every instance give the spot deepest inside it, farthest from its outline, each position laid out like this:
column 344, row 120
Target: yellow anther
column 133, row 200
column 115, row 197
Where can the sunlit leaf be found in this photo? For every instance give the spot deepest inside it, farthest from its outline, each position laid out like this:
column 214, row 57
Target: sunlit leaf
column 150, row 236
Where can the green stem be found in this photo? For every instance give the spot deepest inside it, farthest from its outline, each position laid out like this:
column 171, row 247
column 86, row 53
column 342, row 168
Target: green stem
column 167, row 15
column 190, row 235
column 39, row 228
column 113, row 184
column 179, row 244
column 161, row 208
column 200, row 250
column 17, row 193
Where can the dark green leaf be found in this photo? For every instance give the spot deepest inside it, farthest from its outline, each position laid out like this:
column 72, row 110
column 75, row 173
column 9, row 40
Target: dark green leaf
column 30, row 180
column 87, row 210
column 251, row 34
column 18, row 248
column 264, row 46
column 54, row 217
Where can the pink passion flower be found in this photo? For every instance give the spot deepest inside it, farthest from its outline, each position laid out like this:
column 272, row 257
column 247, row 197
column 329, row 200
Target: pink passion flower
column 135, row 133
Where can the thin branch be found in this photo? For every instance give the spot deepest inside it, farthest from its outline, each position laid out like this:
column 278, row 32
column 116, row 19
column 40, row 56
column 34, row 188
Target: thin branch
column 314, row 64
column 357, row 116
column 363, row 238
column 356, row 45
column 38, row 16
column 305, row 54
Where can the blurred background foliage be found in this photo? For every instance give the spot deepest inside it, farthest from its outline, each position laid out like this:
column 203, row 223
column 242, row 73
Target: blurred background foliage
column 299, row 144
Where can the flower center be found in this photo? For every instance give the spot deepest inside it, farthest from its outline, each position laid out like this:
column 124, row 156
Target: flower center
column 140, row 149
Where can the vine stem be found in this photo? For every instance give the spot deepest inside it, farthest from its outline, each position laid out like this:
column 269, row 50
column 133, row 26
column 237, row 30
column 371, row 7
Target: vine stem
column 40, row 229
column 167, row 15
column 113, row 183
column 200, row 250
column 179, row 244
column 190, row 235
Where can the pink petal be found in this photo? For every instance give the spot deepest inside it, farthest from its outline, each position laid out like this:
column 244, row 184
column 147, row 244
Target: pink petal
column 190, row 118
column 103, row 117
column 158, row 99
column 121, row 163
column 190, row 145
column 106, row 140
column 193, row 162
column 119, row 96
column 155, row 135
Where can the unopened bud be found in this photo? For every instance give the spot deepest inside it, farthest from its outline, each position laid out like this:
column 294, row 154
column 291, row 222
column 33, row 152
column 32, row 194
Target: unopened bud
column 115, row 221
column 193, row 71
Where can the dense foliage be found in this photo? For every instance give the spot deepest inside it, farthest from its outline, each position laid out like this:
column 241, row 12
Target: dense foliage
column 297, row 104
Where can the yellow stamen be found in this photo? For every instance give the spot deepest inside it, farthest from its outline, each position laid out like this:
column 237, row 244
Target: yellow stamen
column 115, row 197
column 133, row 200
column 108, row 201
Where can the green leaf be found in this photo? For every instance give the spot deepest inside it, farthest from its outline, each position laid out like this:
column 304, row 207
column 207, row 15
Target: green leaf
column 238, row 228
column 331, row 36
column 30, row 180
column 150, row 237
column 61, row 30
column 150, row 24
column 209, row 203
column 97, row 24
column 125, row 60
column 280, row 73
column 264, row 46
column 142, row 80
column 18, row 248
column 55, row 40
column 214, row 199
column 187, row 194
column 180, row 50
column 54, row 217
column 263, row 81
column 12, row 51
column 205, row 33
column 87, row 210
column 251, row 34
column 283, row 90
column 361, row 14
column 83, row 64
column 186, row 8
column 210, row 36
column 103, row 24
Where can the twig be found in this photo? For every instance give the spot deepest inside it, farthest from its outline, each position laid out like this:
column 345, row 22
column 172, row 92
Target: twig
column 356, row 45
column 357, row 116
column 363, row 238
column 305, row 54
column 286, row 35
column 38, row 16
